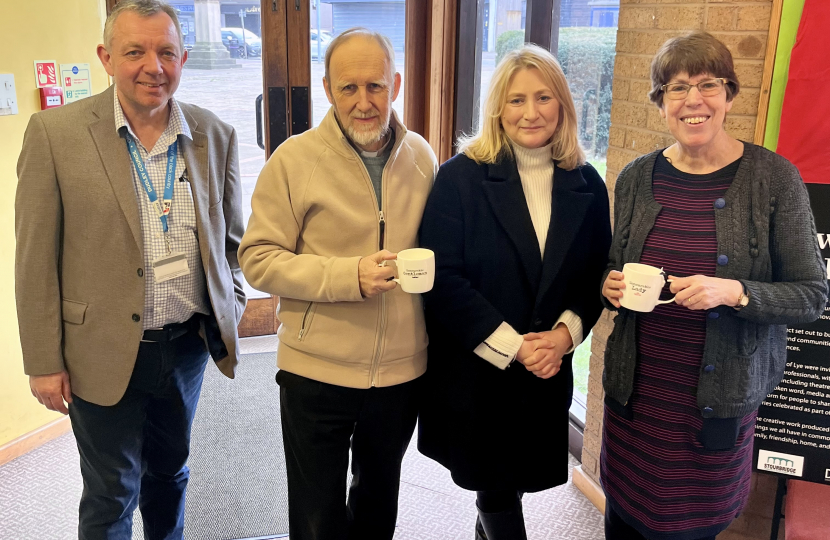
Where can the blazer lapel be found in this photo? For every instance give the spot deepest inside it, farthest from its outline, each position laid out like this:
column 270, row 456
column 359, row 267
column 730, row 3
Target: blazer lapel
column 568, row 209
column 113, row 153
column 198, row 172
column 504, row 192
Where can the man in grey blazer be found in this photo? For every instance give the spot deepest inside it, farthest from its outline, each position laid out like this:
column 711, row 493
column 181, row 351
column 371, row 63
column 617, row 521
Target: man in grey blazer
column 128, row 220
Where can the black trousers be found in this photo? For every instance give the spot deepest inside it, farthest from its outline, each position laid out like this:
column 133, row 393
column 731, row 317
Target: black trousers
column 320, row 424
column 617, row 529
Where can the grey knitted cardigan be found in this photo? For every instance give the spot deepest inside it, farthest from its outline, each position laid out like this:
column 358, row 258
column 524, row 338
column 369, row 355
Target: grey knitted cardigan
column 767, row 232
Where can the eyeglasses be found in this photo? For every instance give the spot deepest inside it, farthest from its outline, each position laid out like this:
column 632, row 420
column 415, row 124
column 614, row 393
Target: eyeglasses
column 709, row 87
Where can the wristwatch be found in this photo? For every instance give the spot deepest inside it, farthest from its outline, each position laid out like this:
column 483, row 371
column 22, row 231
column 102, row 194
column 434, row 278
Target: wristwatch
column 743, row 300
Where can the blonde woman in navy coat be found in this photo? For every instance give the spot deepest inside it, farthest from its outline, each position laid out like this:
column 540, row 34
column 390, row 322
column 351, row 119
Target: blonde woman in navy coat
column 520, row 227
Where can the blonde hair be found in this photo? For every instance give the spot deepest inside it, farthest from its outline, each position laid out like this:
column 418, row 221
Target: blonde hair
column 491, row 142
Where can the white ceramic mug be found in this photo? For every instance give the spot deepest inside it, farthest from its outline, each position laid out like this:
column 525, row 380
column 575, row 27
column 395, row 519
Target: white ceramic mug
column 416, row 270
column 643, row 284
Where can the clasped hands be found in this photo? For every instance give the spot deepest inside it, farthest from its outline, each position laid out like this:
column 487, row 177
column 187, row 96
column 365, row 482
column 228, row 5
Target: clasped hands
column 694, row 292
column 541, row 352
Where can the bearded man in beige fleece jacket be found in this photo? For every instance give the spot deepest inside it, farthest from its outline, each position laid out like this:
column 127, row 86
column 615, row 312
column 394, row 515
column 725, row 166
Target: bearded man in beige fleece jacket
column 329, row 207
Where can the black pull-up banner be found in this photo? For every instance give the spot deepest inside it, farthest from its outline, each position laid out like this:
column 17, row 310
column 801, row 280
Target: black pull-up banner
column 792, row 434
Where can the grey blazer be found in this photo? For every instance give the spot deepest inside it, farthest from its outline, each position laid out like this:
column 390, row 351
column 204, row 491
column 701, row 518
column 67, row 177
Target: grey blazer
column 767, row 232
column 79, row 256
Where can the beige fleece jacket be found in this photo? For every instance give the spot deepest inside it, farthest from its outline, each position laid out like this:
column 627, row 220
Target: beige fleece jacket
column 315, row 215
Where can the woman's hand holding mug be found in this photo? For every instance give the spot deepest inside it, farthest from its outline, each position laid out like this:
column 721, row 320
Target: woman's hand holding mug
column 704, row 292
column 612, row 288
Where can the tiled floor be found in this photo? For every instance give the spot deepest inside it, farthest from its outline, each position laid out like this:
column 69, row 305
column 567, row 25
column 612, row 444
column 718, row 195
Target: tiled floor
column 237, row 488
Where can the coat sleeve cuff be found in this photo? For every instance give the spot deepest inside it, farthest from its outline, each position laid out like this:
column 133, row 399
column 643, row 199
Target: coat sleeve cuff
column 345, row 280
column 574, row 324
column 501, row 347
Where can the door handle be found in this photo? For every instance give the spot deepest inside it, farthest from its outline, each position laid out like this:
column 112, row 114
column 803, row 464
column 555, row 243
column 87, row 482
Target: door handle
column 258, row 108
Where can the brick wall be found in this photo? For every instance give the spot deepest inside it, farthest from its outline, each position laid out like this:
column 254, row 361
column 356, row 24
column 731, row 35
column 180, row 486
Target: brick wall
column 637, row 128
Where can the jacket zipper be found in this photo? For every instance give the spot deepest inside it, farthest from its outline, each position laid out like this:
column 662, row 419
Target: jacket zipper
column 381, row 242
column 379, row 341
column 382, row 224
column 379, row 344
column 305, row 320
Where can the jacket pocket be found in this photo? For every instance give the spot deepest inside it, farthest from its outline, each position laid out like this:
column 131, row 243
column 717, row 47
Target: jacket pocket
column 305, row 323
column 345, row 332
column 741, row 377
column 73, row 312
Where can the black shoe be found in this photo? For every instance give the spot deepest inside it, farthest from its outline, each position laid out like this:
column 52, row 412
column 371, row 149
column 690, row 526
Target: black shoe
column 507, row 525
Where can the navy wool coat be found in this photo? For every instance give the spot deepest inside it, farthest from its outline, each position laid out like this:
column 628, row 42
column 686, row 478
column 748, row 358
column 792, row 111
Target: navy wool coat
column 492, row 428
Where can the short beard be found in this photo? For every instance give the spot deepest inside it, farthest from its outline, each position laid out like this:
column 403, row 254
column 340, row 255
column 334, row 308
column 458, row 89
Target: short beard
column 367, row 137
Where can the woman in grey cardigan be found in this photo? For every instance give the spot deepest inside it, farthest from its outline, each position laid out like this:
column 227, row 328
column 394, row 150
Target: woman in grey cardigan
column 730, row 223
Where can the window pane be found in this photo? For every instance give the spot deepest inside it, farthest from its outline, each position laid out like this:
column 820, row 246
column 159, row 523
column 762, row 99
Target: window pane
column 587, row 42
column 504, row 31
column 333, row 17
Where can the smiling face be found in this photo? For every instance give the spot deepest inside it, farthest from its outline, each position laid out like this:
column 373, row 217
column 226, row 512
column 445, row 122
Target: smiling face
column 696, row 121
column 362, row 87
column 145, row 60
column 531, row 112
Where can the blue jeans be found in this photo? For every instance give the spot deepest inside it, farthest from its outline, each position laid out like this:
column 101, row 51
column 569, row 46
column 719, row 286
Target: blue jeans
column 134, row 453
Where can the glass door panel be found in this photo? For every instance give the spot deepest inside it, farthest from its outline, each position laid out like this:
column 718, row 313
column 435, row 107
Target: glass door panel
column 228, row 82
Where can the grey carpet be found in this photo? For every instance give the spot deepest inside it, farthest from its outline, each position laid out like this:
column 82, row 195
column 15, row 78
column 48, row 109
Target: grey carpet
column 237, row 486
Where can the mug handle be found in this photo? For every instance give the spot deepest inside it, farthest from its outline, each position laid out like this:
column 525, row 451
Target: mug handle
column 383, row 264
column 670, row 300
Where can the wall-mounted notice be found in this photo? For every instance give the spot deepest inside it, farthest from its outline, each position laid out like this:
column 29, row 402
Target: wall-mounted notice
column 75, row 80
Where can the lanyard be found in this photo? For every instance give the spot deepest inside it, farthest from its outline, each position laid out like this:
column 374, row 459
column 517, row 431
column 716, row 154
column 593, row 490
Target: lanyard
column 162, row 208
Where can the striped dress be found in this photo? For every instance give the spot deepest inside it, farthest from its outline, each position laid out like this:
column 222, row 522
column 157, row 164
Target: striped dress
column 656, row 474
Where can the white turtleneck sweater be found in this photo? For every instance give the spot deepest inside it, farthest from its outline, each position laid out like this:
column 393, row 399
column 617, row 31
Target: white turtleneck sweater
column 536, row 172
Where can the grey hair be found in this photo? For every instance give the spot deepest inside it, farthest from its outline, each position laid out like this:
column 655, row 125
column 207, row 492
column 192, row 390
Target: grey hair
column 144, row 8
column 346, row 35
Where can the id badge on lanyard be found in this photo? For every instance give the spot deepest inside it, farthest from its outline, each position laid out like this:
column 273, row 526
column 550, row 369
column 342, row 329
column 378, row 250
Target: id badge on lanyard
column 173, row 264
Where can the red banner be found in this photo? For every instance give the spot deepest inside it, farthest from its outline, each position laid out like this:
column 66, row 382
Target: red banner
column 805, row 119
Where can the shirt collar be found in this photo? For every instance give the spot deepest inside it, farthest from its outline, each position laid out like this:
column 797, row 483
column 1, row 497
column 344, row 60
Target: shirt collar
column 176, row 124
column 380, row 150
